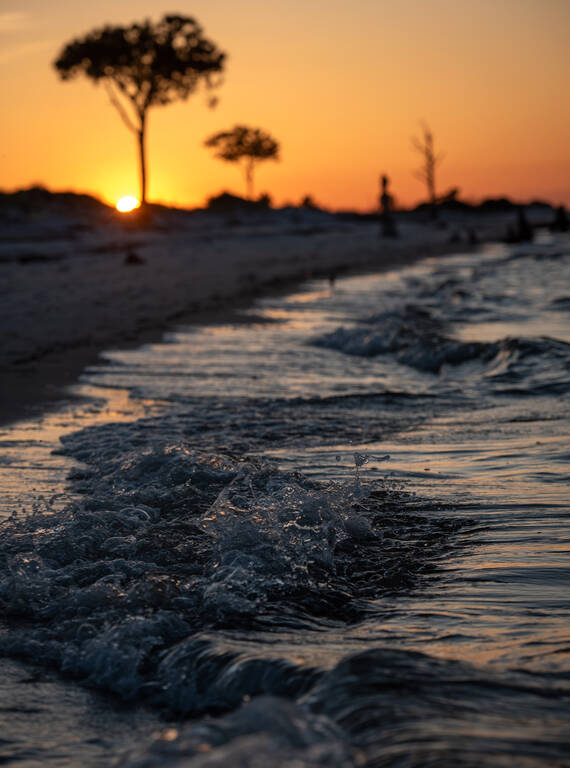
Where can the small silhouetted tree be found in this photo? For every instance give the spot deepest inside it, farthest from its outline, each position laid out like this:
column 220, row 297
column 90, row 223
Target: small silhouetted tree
column 245, row 146
column 144, row 65
column 430, row 161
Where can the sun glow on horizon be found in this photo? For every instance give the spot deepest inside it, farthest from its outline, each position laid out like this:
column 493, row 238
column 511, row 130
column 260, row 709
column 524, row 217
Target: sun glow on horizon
column 127, row 203
column 498, row 118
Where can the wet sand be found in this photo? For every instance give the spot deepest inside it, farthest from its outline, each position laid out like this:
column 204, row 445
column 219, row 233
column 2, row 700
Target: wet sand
column 68, row 295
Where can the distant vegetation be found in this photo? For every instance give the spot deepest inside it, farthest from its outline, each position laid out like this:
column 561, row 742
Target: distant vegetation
column 226, row 203
column 149, row 64
column 309, row 203
column 144, row 65
column 39, row 199
column 246, row 147
column 489, row 205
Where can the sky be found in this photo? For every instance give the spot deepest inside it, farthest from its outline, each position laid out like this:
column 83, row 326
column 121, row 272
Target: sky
column 343, row 86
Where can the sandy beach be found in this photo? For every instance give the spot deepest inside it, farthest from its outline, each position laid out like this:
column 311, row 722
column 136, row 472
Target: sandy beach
column 284, row 385
column 342, row 501
column 73, row 286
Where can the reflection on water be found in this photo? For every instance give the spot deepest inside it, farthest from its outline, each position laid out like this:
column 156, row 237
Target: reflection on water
column 500, row 460
column 377, row 467
column 44, row 721
column 33, row 472
column 502, row 595
column 549, row 325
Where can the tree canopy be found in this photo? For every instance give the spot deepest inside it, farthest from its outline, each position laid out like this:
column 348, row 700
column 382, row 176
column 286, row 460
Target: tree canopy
column 144, row 65
column 241, row 143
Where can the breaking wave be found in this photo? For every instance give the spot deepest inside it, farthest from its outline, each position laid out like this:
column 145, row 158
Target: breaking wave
column 416, row 337
column 171, row 543
column 381, row 707
column 247, row 564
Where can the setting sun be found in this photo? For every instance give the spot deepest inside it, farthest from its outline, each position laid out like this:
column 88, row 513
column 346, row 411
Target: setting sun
column 127, row 203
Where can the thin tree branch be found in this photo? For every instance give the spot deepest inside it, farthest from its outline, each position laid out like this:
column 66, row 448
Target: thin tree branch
column 416, row 143
column 120, row 109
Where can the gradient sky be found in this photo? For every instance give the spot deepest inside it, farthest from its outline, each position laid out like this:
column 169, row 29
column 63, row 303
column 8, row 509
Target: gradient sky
column 342, row 85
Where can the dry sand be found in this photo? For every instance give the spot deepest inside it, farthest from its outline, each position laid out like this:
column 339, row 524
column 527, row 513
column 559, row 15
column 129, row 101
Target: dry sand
column 67, row 292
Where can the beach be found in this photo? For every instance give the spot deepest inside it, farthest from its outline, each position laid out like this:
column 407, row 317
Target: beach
column 75, row 285
column 309, row 510
column 285, row 385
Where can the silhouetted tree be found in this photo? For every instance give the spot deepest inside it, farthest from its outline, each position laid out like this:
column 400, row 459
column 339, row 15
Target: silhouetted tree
column 144, row 65
column 430, row 161
column 250, row 145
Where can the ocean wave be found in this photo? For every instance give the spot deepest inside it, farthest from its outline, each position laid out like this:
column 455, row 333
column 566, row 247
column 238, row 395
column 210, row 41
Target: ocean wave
column 530, row 366
column 382, row 707
column 169, row 543
column 265, row 731
column 413, row 335
column 416, row 337
column 561, row 304
column 410, row 709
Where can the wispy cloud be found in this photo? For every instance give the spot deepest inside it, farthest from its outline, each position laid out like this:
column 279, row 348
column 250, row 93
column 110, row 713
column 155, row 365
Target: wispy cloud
column 13, row 21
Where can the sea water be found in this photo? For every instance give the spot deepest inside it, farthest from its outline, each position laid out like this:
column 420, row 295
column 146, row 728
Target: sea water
column 333, row 535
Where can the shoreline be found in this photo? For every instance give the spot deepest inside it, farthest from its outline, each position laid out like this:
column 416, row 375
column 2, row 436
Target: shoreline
column 65, row 310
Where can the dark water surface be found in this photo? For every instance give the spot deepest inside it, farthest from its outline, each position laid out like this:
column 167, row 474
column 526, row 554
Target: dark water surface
column 334, row 536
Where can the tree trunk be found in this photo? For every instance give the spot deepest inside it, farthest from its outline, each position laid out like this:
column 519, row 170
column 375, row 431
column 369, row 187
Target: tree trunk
column 142, row 159
column 249, row 179
column 431, row 192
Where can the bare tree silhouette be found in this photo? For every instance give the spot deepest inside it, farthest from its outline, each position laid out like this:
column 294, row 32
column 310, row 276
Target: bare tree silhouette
column 142, row 66
column 250, row 145
column 430, row 161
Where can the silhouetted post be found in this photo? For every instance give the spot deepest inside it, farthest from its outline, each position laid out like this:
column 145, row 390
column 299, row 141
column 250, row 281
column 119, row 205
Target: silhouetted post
column 387, row 223
column 524, row 228
column 142, row 66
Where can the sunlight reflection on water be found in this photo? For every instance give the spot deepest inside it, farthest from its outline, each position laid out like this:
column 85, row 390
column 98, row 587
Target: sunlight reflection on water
column 33, row 474
column 465, row 434
column 332, row 382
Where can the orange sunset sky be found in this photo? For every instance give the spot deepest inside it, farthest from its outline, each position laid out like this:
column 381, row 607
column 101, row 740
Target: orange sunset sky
column 342, row 86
